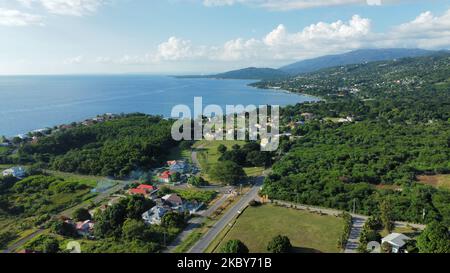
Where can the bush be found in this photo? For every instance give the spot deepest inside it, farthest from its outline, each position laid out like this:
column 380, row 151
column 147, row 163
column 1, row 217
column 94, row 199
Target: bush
column 234, row 246
column 346, row 232
column 227, row 172
column 81, row 214
column 279, row 244
column 255, row 203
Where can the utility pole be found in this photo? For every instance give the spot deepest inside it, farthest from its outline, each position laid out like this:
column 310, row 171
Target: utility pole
column 424, row 214
column 354, row 206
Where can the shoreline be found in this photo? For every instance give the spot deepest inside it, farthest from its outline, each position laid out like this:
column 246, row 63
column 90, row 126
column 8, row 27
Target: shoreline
column 248, row 83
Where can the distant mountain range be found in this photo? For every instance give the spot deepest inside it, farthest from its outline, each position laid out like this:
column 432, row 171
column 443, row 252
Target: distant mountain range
column 250, row 73
column 352, row 57
column 311, row 65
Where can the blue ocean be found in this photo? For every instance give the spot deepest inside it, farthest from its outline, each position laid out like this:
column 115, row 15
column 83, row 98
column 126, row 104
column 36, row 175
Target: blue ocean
column 34, row 102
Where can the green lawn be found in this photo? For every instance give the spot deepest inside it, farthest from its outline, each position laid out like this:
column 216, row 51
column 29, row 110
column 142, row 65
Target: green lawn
column 178, row 154
column 308, row 232
column 88, row 180
column 188, row 243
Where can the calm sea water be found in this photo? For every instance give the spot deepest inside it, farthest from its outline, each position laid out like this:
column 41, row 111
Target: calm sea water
column 34, row 102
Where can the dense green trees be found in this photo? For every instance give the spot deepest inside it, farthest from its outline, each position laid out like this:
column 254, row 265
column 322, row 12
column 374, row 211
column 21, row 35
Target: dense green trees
column 234, row 246
column 120, row 228
column 279, row 244
column 112, row 148
column 173, row 220
column 398, row 129
column 109, row 223
column 227, row 172
column 63, row 228
column 249, row 155
column 133, row 229
column 386, row 216
column 197, row 181
column 434, row 239
column 81, row 214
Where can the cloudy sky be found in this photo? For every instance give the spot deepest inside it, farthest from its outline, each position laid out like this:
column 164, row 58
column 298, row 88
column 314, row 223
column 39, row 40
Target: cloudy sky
column 204, row 36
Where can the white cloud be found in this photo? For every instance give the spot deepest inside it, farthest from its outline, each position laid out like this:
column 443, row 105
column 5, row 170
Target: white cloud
column 74, row 60
column 9, row 17
column 425, row 31
column 174, row 49
column 235, row 50
column 292, row 4
column 66, row 7
column 281, row 46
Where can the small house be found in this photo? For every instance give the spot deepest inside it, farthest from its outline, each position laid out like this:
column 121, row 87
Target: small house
column 179, row 167
column 165, row 177
column 17, row 172
column 397, row 241
column 145, row 190
column 85, row 228
column 154, row 215
column 173, row 200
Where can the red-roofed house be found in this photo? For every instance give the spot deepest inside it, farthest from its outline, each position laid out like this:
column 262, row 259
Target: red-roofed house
column 148, row 188
column 142, row 189
column 165, row 177
column 171, row 163
column 138, row 192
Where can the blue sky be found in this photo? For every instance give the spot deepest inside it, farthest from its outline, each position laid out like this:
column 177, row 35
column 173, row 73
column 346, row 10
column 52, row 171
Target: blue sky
column 204, row 36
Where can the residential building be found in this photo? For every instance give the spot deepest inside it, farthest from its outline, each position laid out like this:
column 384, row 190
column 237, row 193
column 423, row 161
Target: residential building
column 397, row 241
column 165, row 177
column 85, row 228
column 145, row 190
column 173, row 200
column 154, row 215
column 179, row 167
column 17, row 172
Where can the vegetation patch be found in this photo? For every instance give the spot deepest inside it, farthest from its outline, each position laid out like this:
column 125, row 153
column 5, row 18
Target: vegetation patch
column 437, row 181
column 308, row 232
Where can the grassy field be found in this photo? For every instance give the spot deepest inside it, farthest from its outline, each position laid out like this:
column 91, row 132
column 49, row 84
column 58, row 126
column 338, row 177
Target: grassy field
column 438, row 181
column 188, row 242
column 88, row 180
column 308, row 232
column 208, row 155
column 179, row 154
column 408, row 231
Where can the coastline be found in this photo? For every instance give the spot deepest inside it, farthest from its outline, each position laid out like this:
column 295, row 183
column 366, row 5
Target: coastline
column 50, row 123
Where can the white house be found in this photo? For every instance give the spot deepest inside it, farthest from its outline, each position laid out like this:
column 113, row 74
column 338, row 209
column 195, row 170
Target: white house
column 396, row 240
column 17, row 172
column 154, row 215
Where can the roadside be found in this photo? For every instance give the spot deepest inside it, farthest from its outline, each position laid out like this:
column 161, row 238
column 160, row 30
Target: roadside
column 218, row 226
column 355, row 233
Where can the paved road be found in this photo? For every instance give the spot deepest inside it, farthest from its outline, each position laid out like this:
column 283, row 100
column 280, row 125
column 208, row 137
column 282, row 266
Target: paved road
column 195, row 223
column 218, row 226
column 67, row 213
column 355, row 232
column 21, row 242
